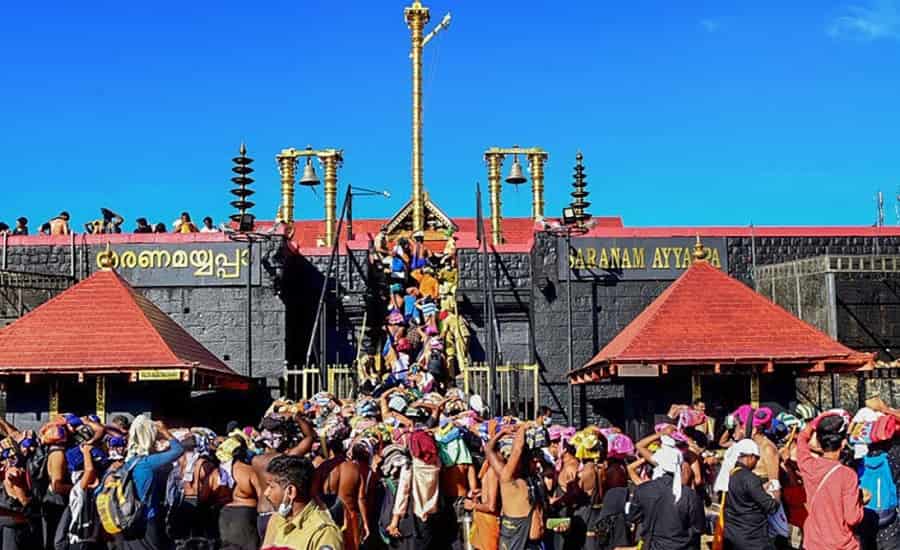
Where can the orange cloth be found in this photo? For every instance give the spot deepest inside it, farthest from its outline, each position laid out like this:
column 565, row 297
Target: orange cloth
column 351, row 531
column 485, row 533
column 429, row 286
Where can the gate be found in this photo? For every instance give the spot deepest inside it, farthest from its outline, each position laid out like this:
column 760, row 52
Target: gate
column 519, row 385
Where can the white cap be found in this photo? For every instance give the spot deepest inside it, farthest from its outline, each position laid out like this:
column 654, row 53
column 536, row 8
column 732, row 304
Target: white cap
column 476, row 403
column 746, row 447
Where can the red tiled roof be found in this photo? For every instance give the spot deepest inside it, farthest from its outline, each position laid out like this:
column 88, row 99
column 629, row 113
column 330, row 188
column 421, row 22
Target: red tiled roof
column 102, row 325
column 704, row 318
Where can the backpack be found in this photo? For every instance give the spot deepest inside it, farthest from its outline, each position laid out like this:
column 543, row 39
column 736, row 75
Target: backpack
column 423, row 447
column 85, row 530
column 118, row 504
column 876, row 477
column 54, row 432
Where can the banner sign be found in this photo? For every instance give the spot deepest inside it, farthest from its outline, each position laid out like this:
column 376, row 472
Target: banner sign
column 638, row 371
column 200, row 264
column 159, row 375
column 635, row 259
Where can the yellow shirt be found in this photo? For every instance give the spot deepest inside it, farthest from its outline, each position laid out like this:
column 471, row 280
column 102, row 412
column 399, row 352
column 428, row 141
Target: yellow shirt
column 312, row 529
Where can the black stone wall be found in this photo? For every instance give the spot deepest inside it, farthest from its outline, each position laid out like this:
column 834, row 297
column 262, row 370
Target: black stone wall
column 215, row 316
column 601, row 310
column 530, row 301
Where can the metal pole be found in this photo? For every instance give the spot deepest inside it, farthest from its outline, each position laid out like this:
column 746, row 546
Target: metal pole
column 319, row 309
column 249, row 307
column 569, row 322
column 349, row 237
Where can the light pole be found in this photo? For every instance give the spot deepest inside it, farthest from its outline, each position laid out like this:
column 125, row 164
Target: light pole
column 355, row 191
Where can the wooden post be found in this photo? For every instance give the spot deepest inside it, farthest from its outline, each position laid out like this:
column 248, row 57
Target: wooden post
column 54, row 397
column 696, row 388
column 754, row 389
column 101, row 398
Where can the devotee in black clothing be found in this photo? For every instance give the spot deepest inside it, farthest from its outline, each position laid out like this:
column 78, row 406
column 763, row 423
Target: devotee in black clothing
column 747, row 505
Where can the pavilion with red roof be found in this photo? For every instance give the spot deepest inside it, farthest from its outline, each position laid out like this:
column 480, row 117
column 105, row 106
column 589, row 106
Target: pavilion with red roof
column 708, row 323
column 103, row 329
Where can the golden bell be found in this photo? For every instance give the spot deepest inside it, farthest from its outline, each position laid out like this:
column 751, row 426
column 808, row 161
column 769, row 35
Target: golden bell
column 515, row 173
column 309, row 174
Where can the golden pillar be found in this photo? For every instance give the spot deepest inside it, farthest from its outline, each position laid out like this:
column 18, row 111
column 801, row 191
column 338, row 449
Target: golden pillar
column 331, row 163
column 495, row 162
column 101, row 398
column 287, row 165
column 536, row 170
column 754, row 389
column 54, row 398
column 416, row 18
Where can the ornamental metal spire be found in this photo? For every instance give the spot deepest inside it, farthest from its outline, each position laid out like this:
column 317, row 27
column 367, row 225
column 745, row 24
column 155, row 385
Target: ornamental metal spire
column 580, row 193
column 243, row 218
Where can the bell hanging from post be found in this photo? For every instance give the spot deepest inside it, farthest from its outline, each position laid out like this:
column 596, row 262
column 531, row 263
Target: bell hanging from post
column 309, row 174
column 515, row 172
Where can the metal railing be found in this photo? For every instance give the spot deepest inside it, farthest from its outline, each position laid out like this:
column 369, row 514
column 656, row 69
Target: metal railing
column 304, row 383
column 519, row 384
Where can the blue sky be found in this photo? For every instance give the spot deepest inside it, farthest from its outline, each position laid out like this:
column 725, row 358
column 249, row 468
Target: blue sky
column 688, row 113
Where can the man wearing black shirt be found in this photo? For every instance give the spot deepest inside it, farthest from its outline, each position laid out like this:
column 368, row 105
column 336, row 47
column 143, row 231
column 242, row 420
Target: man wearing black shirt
column 669, row 510
column 747, row 505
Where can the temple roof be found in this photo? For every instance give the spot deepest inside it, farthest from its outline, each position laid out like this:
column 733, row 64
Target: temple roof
column 707, row 318
column 101, row 325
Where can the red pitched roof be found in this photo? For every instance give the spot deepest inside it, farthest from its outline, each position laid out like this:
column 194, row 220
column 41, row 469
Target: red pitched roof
column 101, row 325
column 705, row 318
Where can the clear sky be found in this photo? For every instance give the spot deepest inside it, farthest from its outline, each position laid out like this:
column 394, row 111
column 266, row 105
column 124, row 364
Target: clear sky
column 688, row 113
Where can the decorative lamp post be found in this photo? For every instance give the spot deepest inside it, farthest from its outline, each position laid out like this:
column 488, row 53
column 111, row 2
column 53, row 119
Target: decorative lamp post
column 243, row 231
column 574, row 221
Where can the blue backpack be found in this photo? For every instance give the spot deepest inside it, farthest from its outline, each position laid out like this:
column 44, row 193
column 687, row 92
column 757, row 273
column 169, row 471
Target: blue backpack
column 876, row 477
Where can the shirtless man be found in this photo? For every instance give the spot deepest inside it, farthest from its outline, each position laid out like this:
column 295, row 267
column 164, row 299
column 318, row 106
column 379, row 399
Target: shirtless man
column 341, row 483
column 522, row 520
column 281, row 444
column 195, row 515
column 236, row 485
column 769, row 466
column 485, row 508
column 57, row 495
column 458, row 482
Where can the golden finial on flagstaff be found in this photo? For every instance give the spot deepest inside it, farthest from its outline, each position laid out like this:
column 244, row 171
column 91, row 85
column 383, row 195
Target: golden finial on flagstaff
column 105, row 259
column 699, row 251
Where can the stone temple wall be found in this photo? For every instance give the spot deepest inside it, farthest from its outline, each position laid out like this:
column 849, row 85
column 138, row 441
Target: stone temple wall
column 214, row 315
column 530, row 302
column 600, row 312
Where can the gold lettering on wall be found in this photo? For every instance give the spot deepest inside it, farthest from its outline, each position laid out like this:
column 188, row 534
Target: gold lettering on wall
column 204, row 262
column 629, row 258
